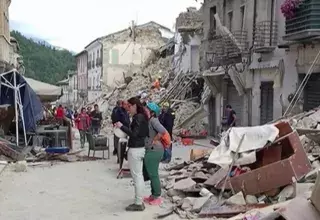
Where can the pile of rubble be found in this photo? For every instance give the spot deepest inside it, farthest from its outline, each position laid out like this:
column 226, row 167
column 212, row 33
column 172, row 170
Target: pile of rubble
column 174, row 90
column 307, row 125
column 283, row 175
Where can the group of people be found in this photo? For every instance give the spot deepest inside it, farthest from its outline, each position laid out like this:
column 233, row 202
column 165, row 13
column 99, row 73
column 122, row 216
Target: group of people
column 85, row 121
column 149, row 143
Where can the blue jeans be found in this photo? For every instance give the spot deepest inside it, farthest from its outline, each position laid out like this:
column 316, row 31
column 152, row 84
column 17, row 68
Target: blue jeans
column 167, row 154
column 95, row 130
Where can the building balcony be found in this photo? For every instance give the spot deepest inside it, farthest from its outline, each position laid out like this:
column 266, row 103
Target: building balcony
column 265, row 37
column 305, row 25
column 227, row 49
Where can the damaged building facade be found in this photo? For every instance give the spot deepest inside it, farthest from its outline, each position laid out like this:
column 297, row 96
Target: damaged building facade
column 187, row 41
column 9, row 47
column 94, row 50
column 82, row 75
column 301, row 40
column 125, row 51
column 241, row 62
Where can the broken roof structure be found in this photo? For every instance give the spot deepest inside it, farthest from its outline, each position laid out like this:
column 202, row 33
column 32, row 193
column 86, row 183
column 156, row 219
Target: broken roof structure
column 189, row 21
column 128, row 30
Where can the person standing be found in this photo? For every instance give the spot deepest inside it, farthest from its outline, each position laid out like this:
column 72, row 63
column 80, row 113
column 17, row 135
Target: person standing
column 75, row 114
column 120, row 114
column 96, row 117
column 167, row 118
column 89, row 108
column 83, row 125
column 115, row 118
column 154, row 154
column 60, row 114
column 231, row 116
column 138, row 131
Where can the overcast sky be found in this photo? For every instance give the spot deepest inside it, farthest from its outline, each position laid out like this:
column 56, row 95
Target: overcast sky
column 72, row 24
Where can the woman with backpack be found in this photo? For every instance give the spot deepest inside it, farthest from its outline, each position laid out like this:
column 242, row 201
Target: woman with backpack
column 158, row 139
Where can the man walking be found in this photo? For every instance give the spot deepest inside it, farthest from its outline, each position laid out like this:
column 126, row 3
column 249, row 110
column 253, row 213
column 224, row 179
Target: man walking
column 231, row 116
column 96, row 117
column 83, row 124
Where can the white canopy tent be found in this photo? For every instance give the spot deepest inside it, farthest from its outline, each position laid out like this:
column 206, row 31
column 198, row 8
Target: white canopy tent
column 45, row 91
column 18, row 107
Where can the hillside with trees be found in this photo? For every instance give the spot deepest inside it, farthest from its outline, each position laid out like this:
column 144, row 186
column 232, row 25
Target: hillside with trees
column 42, row 61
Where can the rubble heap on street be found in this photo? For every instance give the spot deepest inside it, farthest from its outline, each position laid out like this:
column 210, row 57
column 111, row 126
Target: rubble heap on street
column 254, row 170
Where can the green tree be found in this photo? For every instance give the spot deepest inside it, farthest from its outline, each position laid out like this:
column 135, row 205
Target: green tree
column 43, row 62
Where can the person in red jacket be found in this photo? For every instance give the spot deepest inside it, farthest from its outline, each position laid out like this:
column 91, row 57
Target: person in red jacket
column 60, row 114
column 83, row 125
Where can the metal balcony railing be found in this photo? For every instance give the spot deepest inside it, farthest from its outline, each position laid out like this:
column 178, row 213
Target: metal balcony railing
column 305, row 23
column 228, row 48
column 212, row 34
column 234, row 43
column 265, row 36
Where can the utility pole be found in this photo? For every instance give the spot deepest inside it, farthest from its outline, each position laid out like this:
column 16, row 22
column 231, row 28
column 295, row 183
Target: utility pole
column 133, row 35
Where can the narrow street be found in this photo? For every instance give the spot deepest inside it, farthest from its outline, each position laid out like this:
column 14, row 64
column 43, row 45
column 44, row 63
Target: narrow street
column 79, row 190
column 218, row 99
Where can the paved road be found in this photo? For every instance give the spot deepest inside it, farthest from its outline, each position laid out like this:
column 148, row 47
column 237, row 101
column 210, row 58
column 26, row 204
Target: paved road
column 67, row 191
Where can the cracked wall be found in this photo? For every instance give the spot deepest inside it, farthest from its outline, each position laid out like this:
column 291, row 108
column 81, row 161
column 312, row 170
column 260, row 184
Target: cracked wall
column 122, row 54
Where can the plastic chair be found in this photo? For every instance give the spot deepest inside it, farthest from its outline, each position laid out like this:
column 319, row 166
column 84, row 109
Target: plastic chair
column 98, row 143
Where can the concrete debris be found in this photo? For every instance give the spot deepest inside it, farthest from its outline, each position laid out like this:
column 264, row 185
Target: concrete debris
column 194, row 204
column 304, row 190
column 197, row 185
column 312, row 175
column 184, row 184
column 250, row 199
column 187, row 203
column 237, row 199
column 287, row 193
column 20, row 166
column 176, row 199
column 205, row 193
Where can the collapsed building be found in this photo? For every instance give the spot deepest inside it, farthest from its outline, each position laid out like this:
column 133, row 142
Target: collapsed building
column 181, row 82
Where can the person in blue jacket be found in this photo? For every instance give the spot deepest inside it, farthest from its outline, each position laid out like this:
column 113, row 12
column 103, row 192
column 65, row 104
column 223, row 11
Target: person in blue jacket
column 119, row 114
column 167, row 118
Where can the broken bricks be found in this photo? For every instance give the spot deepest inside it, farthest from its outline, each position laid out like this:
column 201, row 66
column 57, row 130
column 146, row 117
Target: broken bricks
column 269, row 180
column 184, row 184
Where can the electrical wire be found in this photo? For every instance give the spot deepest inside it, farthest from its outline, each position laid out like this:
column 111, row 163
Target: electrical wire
column 302, row 86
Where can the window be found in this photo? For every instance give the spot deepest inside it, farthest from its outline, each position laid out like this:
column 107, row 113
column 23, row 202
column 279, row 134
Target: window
column 242, row 10
column 230, row 18
column 89, row 63
column 115, row 56
column 92, row 83
column 213, row 24
column 98, row 82
column 94, row 59
column 98, row 57
column 89, row 83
